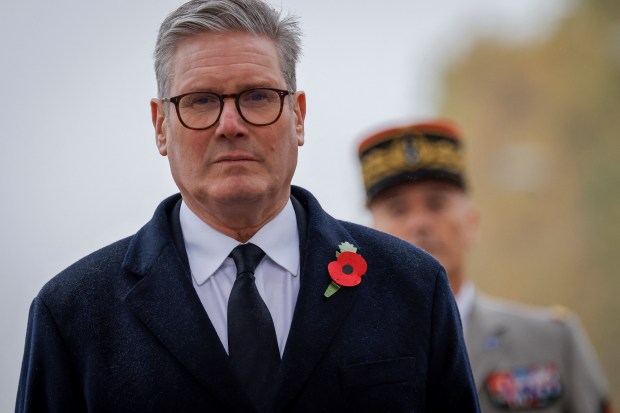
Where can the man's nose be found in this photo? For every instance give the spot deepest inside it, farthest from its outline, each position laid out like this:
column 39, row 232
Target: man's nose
column 418, row 222
column 230, row 124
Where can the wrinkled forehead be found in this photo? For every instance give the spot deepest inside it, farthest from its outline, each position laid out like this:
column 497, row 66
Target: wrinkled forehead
column 219, row 56
column 219, row 49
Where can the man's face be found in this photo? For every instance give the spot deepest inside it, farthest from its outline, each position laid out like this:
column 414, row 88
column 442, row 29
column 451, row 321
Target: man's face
column 233, row 163
column 434, row 215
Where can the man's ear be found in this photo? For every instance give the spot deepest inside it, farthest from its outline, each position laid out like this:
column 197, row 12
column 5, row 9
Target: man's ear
column 299, row 111
column 158, row 115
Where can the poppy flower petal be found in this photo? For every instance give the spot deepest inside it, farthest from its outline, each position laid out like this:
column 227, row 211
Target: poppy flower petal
column 348, row 269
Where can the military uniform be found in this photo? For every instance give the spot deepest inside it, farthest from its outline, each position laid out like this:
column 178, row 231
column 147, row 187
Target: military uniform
column 523, row 358
column 530, row 359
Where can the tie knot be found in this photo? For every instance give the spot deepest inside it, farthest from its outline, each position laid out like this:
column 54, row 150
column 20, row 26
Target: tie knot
column 246, row 257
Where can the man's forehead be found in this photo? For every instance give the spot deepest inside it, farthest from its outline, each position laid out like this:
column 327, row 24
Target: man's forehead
column 212, row 57
column 427, row 186
column 219, row 45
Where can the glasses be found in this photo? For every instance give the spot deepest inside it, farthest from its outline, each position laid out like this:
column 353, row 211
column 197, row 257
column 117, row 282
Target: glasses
column 201, row 110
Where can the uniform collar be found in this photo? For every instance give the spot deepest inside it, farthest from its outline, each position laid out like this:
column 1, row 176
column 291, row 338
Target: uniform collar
column 465, row 301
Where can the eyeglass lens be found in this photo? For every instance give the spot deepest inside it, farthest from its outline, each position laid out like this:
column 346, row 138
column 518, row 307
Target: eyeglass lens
column 256, row 106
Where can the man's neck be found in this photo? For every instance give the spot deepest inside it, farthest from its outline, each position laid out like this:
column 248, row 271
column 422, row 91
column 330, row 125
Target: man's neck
column 457, row 278
column 240, row 223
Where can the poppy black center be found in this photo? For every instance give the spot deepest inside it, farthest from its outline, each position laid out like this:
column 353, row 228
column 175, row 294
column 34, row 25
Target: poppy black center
column 347, row 269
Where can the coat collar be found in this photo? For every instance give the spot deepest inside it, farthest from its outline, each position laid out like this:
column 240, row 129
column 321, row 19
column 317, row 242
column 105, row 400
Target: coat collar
column 167, row 304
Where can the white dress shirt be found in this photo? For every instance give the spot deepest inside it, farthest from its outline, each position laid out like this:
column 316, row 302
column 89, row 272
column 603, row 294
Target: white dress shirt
column 214, row 273
column 465, row 302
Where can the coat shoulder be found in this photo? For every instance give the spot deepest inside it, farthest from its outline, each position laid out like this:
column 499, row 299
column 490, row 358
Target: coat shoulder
column 101, row 272
column 392, row 248
column 90, row 273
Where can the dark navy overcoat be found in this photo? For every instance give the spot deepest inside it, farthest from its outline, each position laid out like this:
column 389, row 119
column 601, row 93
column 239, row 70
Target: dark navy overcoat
column 123, row 330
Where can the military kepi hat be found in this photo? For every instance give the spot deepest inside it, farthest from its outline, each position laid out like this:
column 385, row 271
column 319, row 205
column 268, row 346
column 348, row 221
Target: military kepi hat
column 420, row 151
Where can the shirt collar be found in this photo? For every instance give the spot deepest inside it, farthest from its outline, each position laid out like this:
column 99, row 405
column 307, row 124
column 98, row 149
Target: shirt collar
column 465, row 301
column 279, row 238
column 207, row 248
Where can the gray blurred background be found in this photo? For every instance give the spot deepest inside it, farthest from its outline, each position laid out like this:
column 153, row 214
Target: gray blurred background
column 535, row 86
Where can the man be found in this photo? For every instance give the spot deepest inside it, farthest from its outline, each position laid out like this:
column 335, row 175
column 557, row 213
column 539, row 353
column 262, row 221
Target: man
column 523, row 358
column 242, row 294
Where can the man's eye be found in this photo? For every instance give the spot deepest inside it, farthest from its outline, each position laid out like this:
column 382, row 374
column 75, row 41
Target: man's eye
column 203, row 100
column 397, row 210
column 257, row 96
column 199, row 101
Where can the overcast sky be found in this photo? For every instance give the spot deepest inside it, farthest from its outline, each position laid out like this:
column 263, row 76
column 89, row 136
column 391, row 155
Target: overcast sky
column 80, row 167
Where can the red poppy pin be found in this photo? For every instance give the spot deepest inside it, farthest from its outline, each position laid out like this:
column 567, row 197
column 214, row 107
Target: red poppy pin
column 347, row 270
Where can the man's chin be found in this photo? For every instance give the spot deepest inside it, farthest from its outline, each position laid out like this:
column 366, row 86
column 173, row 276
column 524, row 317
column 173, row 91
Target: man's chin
column 237, row 190
column 235, row 196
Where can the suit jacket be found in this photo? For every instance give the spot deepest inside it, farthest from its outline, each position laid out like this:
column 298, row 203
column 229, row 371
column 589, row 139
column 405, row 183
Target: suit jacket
column 123, row 330
column 517, row 350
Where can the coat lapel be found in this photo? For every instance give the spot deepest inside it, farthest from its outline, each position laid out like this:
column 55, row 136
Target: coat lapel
column 166, row 303
column 317, row 319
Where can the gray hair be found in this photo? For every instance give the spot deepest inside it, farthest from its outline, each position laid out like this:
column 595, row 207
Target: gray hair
column 220, row 16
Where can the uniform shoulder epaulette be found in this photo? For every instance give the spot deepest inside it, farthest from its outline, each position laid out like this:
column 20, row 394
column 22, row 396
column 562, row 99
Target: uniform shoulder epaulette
column 560, row 313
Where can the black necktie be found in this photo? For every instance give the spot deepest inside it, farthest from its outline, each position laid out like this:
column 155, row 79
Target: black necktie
column 252, row 343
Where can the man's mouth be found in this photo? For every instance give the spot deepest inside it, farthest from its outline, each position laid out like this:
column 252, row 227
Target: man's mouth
column 235, row 157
